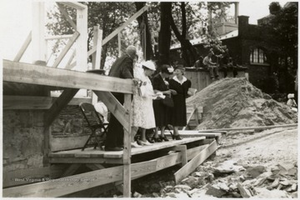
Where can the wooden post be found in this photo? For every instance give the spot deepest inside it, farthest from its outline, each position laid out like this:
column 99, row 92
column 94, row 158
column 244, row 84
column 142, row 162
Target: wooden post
column 23, row 48
column 127, row 150
column 38, row 31
column 81, row 50
column 119, row 44
column 97, row 41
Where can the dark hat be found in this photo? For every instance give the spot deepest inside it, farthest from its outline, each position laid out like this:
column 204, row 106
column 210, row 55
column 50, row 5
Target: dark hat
column 167, row 69
column 181, row 68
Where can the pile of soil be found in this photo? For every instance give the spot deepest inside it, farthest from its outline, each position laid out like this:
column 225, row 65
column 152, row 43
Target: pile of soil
column 235, row 102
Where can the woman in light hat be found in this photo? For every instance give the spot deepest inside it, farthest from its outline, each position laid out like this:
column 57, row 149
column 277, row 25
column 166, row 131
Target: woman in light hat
column 143, row 114
column 181, row 85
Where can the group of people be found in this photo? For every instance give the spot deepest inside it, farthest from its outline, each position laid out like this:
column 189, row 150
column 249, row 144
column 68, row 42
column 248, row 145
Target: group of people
column 158, row 103
column 221, row 61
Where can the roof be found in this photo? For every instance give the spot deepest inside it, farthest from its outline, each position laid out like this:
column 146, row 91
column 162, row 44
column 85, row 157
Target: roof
column 198, row 41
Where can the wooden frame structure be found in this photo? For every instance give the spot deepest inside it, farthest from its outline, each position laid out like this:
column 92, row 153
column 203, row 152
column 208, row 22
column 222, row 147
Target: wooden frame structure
column 62, row 165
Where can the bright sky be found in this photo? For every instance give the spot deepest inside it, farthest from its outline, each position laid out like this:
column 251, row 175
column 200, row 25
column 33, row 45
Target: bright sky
column 16, row 22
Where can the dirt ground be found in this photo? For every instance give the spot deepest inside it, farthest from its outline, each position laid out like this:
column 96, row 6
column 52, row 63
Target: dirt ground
column 268, row 147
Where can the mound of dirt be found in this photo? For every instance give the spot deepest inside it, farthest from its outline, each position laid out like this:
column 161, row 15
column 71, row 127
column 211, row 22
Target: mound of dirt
column 235, row 102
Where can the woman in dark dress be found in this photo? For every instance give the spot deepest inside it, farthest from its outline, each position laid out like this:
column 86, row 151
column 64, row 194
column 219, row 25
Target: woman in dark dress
column 161, row 111
column 181, row 85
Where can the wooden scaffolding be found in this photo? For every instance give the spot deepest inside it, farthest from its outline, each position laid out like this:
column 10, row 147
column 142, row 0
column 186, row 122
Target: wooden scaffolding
column 128, row 164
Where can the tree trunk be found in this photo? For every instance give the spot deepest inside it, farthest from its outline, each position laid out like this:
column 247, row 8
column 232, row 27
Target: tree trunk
column 145, row 35
column 164, row 39
column 188, row 51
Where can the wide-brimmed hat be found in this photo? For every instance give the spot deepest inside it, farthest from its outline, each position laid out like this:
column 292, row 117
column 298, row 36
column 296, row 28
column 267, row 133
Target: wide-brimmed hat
column 149, row 64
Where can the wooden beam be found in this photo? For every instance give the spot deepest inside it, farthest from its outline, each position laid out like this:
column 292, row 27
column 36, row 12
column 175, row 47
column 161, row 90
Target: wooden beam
column 25, row 176
column 116, row 31
column 66, row 15
column 41, row 75
column 58, row 37
column 75, row 183
column 195, row 162
column 23, row 48
column 127, row 149
column 183, row 151
column 114, row 107
column 58, row 105
column 38, row 31
column 74, row 5
column 250, row 128
column 68, row 65
column 66, row 49
column 71, row 170
column 81, row 43
column 61, row 144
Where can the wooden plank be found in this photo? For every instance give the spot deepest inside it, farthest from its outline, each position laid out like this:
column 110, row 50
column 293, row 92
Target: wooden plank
column 154, row 147
column 116, row 31
column 114, row 107
column 23, row 48
column 71, row 170
column 38, row 42
column 41, row 75
column 81, row 43
column 66, row 15
column 84, row 160
column 251, row 128
column 183, row 151
column 68, row 65
column 58, row 105
column 70, row 43
column 60, row 143
column 71, row 184
column 195, row 162
column 74, row 5
column 95, row 166
column 127, row 148
column 25, row 176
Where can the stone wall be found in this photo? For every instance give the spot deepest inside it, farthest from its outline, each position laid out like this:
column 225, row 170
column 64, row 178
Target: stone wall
column 23, row 139
column 23, row 135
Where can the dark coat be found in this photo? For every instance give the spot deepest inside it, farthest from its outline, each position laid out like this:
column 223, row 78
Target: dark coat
column 178, row 112
column 161, row 112
column 122, row 68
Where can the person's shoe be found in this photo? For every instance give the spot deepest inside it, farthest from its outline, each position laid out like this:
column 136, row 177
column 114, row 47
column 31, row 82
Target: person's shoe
column 176, row 137
column 113, row 148
column 156, row 139
column 164, row 138
column 150, row 140
column 139, row 142
column 145, row 143
column 135, row 145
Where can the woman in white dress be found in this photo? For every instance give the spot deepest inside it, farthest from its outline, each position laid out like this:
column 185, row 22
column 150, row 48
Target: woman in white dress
column 142, row 112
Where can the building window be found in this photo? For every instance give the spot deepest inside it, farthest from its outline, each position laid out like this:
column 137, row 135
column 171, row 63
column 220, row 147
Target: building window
column 258, row 56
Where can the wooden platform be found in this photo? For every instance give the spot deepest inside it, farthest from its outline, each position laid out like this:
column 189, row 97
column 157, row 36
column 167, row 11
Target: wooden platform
column 91, row 155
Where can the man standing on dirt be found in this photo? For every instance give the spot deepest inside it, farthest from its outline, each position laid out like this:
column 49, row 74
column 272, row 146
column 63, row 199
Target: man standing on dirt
column 122, row 68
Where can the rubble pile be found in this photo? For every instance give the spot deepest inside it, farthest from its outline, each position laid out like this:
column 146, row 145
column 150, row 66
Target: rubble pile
column 234, row 102
column 233, row 180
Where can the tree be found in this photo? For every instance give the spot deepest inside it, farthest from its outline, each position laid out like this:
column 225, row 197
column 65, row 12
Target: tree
column 281, row 31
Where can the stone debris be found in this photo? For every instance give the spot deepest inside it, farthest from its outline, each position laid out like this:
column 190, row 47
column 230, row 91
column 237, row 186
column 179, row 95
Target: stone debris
column 244, row 182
